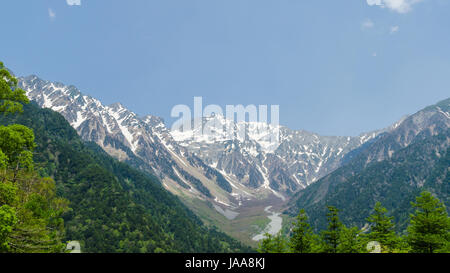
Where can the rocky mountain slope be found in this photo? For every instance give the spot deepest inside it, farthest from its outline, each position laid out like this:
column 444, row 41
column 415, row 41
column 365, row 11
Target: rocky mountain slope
column 393, row 169
column 113, row 208
column 227, row 171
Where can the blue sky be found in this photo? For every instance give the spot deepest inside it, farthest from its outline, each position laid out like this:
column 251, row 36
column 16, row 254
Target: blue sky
column 335, row 67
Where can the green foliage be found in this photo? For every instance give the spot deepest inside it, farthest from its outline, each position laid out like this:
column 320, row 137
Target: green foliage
column 350, row 241
column 16, row 141
column 8, row 219
column 30, row 212
column 11, row 97
column 266, row 244
column 395, row 182
column 273, row 244
column 429, row 232
column 382, row 229
column 331, row 236
column 17, row 144
column 429, row 229
column 3, row 161
column 301, row 238
column 39, row 226
column 113, row 207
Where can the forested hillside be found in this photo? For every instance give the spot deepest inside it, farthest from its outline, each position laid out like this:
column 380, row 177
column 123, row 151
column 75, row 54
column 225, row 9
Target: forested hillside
column 392, row 170
column 428, row 231
column 113, row 208
column 30, row 211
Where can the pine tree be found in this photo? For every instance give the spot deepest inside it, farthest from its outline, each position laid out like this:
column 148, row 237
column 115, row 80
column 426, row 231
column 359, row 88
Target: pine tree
column 280, row 244
column 266, row 244
column 382, row 229
column 301, row 239
column 273, row 244
column 350, row 240
column 331, row 236
column 429, row 229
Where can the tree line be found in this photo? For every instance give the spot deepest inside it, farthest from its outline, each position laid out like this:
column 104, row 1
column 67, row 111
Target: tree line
column 114, row 208
column 428, row 232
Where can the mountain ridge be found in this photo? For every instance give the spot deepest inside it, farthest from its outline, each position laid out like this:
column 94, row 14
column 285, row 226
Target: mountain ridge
column 392, row 169
column 235, row 176
column 242, row 165
column 113, row 207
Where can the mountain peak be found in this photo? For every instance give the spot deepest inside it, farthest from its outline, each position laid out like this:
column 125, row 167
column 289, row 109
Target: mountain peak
column 116, row 106
column 189, row 158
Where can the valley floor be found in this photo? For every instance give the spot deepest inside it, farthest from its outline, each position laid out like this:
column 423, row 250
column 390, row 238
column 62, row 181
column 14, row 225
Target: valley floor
column 254, row 218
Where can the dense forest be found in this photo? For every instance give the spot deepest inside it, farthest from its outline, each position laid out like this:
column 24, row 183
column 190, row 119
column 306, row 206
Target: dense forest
column 428, row 231
column 395, row 182
column 55, row 188
column 30, row 211
column 104, row 204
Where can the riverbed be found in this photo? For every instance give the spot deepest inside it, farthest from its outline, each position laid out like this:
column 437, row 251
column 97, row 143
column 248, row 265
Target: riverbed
column 273, row 227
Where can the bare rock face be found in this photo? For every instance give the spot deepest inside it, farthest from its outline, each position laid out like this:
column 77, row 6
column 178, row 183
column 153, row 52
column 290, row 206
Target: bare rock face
column 298, row 160
column 213, row 166
column 393, row 168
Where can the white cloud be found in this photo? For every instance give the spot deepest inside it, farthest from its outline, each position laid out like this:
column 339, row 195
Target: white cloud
column 367, row 24
column 394, row 29
column 400, row 6
column 51, row 14
column 73, row 2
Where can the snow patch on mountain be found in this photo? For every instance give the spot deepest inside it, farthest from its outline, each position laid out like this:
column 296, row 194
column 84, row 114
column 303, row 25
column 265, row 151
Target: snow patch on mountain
column 248, row 159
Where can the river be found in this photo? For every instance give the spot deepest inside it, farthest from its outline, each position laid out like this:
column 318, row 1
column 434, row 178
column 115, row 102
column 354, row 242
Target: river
column 273, row 227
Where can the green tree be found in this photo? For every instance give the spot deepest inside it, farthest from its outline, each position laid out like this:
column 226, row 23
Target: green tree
column 11, row 97
column 7, row 221
column 273, row 244
column 266, row 244
column 30, row 212
column 429, row 229
column 331, row 236
column 3, row 161
column 301, row 239
column 40, row 227
column 17, row 144
column 16, row 141
column 350, row 240
column 382, row 229
column 280, row 243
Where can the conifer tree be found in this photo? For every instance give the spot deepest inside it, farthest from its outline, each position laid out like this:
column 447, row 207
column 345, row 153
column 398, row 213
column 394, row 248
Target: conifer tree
column 429, row 229
column 382, row 229
column 350, row 240
column 301, row 239
column 280, row 244
column 273, row 244
column 331, row 236
column 266, row 244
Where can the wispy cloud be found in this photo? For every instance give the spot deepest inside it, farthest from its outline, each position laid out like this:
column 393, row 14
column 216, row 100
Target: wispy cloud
column 400, row 6
column 394, row 29
column 73, row 2
column 51, row 14
column 367, row 24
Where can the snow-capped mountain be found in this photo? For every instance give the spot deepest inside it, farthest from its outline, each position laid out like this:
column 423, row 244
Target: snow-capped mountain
column 298, row 160
column 208, row 164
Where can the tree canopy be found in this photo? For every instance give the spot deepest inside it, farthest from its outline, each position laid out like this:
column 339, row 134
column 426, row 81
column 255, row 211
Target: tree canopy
column 11, row 97
column 428, row 232
column 30, row 212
